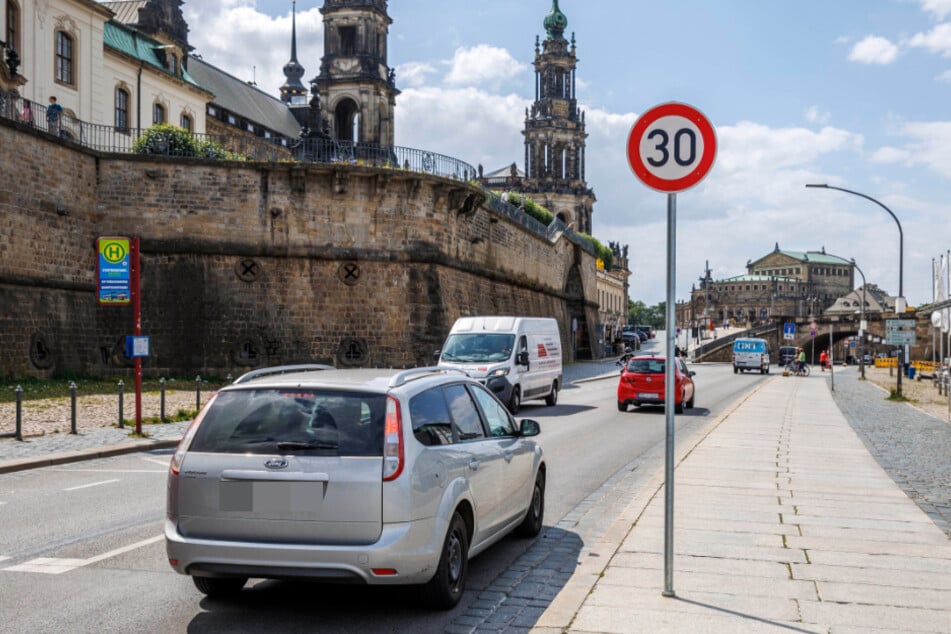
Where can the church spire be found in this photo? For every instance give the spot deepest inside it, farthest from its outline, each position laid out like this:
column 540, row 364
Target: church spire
column 293, row 91
column 555, row 22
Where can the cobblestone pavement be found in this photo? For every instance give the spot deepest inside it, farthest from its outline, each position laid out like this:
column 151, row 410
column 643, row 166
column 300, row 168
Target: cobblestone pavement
column 911, row 445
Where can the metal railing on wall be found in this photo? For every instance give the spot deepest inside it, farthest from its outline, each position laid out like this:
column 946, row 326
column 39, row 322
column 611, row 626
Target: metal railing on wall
column 238, row 147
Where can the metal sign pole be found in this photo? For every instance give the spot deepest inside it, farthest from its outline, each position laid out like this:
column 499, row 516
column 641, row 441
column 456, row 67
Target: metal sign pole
column 669, row 398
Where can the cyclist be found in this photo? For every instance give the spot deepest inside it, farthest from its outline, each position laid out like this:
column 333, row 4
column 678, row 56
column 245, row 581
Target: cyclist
column 801, row 358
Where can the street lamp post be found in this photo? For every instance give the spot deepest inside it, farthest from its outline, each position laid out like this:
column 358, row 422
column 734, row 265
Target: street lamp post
column 861, row 323
column 900, row 302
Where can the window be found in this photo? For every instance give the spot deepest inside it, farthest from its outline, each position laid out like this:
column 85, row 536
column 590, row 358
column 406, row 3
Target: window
column 158, row 113
column 173, row 64
column 465, row 416
column 348, row 40
column 13, row 25
column 430, row 417
column 500, row 423
column 186, row 122
column 122, row 110
column 64, row 58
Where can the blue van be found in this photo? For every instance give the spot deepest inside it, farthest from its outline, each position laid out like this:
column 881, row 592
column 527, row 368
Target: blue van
column 750, row 354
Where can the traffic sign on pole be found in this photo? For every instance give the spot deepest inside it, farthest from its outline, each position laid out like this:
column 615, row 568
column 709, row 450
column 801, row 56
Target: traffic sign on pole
column 671, row 147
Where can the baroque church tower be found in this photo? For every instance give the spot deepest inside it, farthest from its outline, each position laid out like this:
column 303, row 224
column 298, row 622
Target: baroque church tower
column 357, row 88
column 555, row 130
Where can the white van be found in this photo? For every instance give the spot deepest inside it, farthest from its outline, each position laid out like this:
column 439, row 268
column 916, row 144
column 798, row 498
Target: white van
column 750, row 354
column 518, row 358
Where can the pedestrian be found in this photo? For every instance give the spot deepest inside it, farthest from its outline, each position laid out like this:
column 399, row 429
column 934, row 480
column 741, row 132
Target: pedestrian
column 823, row 359
column 54, row 112
column 801, row 358
column 26, row 114
column 505, row 197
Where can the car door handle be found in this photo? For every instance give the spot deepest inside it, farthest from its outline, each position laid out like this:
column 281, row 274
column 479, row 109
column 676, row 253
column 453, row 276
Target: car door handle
column 474, row 465
column 508, row 456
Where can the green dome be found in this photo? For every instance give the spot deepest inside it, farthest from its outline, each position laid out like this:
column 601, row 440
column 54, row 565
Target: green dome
column 555, row 21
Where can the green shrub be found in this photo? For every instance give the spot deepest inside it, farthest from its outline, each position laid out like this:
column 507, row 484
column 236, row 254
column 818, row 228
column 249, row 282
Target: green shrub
column 170, row 140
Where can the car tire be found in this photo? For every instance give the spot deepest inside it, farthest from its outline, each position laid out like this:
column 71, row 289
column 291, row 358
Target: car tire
column 552, row 399
column 679, row 405
column 515, row 401
column 219, row 587
column 736, row 370
column 621, row 406
column 531, row 526
column 445, row 589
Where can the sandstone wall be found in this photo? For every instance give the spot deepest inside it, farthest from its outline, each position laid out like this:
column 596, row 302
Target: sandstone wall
column 249, row 264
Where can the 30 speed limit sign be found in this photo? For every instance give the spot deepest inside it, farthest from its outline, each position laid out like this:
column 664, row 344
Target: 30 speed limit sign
column 671, row 147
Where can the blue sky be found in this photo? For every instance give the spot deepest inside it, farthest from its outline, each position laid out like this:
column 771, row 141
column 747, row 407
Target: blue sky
column 854, row 93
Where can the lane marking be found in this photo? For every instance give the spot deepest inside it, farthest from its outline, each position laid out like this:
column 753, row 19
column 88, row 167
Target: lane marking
column 164, row 463
column 112, row 470
column 57, row 566
column 93, row 484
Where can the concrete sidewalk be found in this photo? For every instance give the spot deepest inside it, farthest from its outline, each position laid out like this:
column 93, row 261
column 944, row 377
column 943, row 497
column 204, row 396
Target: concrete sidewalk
column 783, row 522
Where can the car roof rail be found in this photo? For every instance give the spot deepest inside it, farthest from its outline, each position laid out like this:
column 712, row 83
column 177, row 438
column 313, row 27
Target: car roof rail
column 404, row 377
column 281, row 369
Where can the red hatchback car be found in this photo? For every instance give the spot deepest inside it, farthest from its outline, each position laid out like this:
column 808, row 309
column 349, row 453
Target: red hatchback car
column 642, row 383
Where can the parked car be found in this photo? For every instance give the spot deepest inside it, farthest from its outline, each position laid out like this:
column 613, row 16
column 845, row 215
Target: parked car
column 647, row 330
column 787, row 355
column 643, row 383
column 379, row 477
column 631, row 338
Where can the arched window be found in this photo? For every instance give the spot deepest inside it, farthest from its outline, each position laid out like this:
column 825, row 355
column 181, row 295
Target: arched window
column 13, row 25
column 186, row 122
column 65, row 58
column 122, row 110
column 158, row 113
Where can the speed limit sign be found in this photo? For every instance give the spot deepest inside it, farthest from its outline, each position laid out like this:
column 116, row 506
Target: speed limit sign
column 671, row 147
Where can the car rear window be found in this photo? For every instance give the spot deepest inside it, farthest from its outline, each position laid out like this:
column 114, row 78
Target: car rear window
column 291, row 421
column 646, row 366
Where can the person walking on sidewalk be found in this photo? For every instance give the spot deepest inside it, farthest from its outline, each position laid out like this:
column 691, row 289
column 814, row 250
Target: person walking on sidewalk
column 823, row 360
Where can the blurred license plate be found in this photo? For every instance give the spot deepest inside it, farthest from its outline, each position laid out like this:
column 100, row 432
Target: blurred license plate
column 645, row 396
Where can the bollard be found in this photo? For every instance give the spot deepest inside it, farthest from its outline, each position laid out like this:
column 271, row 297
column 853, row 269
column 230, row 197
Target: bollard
column 162, row 400
column 198, row 393
column 72, row 407
column 19, row 433
column 121, row 420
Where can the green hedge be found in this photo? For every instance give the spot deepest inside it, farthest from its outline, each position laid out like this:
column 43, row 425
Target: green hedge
column 170, row 140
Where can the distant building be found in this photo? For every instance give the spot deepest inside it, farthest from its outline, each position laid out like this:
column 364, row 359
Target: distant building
column 875, row 299
column 779, row 284
column 612, row 283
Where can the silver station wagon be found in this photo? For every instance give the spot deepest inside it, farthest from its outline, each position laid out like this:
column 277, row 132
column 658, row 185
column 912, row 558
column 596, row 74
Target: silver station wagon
column 368, row 476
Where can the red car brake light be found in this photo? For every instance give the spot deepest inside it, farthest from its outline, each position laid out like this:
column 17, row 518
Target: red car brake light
column 392, row 441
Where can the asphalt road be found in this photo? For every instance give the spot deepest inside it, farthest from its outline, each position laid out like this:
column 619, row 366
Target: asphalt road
column 81, row 546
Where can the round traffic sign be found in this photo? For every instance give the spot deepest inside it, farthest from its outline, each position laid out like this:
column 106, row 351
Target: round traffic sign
column 671, row 147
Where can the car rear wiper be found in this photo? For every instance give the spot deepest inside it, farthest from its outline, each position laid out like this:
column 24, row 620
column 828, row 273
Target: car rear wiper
column 307, row 445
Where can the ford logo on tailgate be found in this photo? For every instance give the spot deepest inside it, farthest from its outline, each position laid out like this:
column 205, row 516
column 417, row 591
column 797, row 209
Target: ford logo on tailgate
column 276, row 463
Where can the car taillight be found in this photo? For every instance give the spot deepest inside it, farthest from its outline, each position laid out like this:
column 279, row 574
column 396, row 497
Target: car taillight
column 392, row 441
column 179, row 456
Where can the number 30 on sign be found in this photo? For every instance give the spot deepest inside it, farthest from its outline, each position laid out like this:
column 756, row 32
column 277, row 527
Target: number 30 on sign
column 671, row 147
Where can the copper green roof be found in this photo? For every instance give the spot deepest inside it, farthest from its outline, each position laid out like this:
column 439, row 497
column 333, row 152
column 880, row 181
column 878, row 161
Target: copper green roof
column 137, row 45
column 815, row 257
column 555, row 22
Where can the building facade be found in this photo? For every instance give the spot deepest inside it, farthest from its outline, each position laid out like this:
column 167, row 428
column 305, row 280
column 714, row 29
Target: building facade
column 779, row 284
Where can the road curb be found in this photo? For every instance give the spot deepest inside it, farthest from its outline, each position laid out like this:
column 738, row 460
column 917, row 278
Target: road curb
column 78, row 455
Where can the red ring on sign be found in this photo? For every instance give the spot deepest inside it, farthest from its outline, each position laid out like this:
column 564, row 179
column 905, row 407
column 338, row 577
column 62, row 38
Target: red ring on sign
column 703, row 166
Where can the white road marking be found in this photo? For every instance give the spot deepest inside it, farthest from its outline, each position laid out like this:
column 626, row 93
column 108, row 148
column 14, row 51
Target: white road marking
column 56, row 566
column 92, row 484
column 164, row 463
column 2, row 558
column 113, row 470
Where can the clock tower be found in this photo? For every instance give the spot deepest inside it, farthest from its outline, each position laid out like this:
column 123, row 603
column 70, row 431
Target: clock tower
column 357, row 89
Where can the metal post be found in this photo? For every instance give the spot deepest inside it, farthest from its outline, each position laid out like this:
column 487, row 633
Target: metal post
column 72, row 407
column 19, row 432
column 162, row 399
column 121, row 391
column 669, row 399
column 198, row 393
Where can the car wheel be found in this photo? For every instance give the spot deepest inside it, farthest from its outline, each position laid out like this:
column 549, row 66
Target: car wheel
column 679, row 405
column 219, row 587
column 621, row 406
column 515, row 401
column 535, row 516
column 444, row 590
column 735, row 370
column 552, row 399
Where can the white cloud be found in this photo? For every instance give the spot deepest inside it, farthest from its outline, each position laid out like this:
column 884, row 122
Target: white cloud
column 937, row 40
column 252, row 45
column 945, row 76
column 938, row 8
column 482, row 64
column 874, row 49
column 929, row 145
column 414, row 74
column 814, row 115
column 890, row 155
